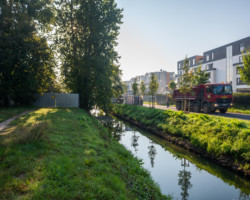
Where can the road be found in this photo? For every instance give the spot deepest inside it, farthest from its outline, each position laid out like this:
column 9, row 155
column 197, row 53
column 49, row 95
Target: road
column 228, row 114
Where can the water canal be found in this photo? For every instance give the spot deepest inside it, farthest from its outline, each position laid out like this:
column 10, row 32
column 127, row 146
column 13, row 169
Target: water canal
column 178, row 172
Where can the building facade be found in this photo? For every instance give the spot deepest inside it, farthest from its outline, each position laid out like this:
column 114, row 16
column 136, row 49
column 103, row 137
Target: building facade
column 163, row 79
column 221, row 63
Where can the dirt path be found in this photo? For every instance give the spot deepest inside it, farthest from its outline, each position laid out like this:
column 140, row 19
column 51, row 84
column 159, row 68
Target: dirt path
column 4, row 125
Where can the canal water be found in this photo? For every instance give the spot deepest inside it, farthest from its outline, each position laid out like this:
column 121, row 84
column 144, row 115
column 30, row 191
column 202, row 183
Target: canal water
column 178, row 172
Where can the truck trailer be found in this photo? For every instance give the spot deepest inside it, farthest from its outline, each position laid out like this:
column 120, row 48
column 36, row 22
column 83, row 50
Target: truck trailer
column 206, row 98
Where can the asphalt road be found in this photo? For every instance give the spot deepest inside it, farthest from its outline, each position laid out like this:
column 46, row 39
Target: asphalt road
column 228, row 114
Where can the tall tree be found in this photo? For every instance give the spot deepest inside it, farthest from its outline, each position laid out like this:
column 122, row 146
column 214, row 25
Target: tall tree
column 245, row 70
column 153, row 86
column 86, row 37
column 142, row 88
column 200, row 77
column 186, row 81
column 172, row 85
column 26, row 61
column 135, row 87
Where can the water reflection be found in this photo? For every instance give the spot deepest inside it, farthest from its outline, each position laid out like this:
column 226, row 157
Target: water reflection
column 152, row 152
column 174, row 167
column 134, row 141
column 244, row 196
column 116, row 129
column 184, row 179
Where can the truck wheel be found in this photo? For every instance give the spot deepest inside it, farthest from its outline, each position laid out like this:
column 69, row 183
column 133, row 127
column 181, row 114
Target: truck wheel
column 196, row 108
column 206, row 108
column 223, row 110
column 178, row 105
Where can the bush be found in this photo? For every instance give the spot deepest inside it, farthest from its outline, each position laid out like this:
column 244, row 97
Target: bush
column 241, row 100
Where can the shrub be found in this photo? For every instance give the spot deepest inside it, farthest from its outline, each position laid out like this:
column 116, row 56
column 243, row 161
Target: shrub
column 241, row 100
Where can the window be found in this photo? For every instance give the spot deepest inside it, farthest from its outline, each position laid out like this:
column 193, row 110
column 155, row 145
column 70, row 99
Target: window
column 239, row 81
column 212, row 56
column 209, row 66
column 209, row 75
column 179, row 67
column 208, row 90
column 240, row 59
column 241, row 47
column 222, row 89
column 207, row 57
column 194, row 61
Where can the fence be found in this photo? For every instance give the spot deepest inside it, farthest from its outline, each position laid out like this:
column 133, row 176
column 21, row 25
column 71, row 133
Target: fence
column 159, row 99
column 131, row 100
column 57, row 100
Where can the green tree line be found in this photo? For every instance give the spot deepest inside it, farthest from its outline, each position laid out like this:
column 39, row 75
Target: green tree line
column 83, row 34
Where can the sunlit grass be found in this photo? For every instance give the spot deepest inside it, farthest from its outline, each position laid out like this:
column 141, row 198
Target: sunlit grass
column 8, row 112
column 239, row 110
column 66, row 154
column 216, row 135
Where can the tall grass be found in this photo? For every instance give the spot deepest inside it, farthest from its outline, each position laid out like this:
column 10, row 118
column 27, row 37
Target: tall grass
column 215, row 135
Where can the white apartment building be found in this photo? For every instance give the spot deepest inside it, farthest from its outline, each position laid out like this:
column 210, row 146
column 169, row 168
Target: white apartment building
column 221, row 63
column 163, row 78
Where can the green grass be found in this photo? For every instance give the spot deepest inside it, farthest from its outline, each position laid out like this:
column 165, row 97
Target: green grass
column 8, row 112
column 239, row 110
column 66, row 154
column 216, row 135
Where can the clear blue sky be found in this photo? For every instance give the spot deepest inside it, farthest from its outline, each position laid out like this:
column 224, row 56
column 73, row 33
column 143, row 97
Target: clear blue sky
column 155, row 34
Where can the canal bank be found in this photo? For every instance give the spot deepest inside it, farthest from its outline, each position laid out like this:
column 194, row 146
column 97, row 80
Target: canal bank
column 179, row 172
column 64, row 153
column 224, row 142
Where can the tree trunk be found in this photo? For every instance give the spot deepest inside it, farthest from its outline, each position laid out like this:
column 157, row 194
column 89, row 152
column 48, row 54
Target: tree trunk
column 189, row 106
column 185, row 105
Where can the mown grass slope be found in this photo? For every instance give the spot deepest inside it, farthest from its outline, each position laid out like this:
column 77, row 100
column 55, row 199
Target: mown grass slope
column 8, row 112
column 216, row 135
column 66, row 154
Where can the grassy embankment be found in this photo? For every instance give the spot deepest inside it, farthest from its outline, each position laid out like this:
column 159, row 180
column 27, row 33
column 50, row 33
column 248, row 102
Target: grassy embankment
column 216, row 135
column 239, row 110
column 8, row 112
column 66, row 154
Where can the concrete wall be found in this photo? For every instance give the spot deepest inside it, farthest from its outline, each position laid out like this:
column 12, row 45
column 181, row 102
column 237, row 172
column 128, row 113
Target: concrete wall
column 57, row 100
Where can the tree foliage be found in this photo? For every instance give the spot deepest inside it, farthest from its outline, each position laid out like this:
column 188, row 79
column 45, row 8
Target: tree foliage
column 26, row 61
column 86, row 37
column 186, row 80
column 172, row 85
column 153, row 86
column 142, row 88
column 245, row 71
column 135, row 87
column 200, row 77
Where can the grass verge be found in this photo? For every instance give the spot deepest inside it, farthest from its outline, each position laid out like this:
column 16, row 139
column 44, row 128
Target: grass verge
column 217, row 136
column 8, row 112
column 239, row 110
column 66, row 154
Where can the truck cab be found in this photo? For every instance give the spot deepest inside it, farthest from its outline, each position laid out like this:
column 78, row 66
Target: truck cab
column 217, row 96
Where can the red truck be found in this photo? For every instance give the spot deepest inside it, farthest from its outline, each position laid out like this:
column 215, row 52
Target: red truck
column 206, row 97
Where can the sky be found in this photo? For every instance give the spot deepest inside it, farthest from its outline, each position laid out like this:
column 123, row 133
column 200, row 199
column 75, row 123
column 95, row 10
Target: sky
column 155, row 34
